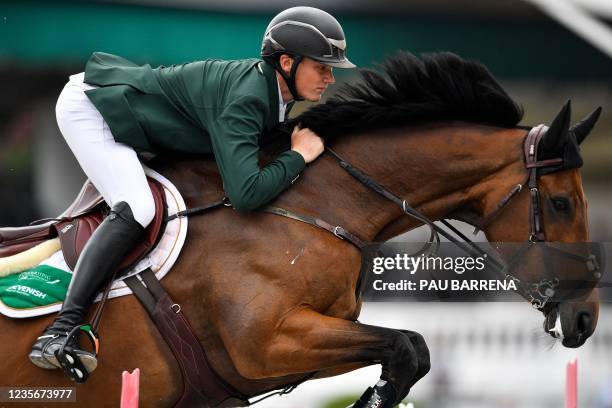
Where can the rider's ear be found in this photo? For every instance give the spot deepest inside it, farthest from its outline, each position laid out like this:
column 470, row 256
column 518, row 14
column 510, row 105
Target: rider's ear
column 584, row 127
column 553, row 142
column 286, row 61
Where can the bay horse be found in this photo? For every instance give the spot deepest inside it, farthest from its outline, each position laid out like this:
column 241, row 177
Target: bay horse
column 274, row 301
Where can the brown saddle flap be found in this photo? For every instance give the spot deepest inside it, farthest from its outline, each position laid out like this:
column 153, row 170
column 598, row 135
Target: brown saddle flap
column 74, row 233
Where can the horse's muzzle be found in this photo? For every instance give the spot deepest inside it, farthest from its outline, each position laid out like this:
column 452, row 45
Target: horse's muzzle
column 573, row 326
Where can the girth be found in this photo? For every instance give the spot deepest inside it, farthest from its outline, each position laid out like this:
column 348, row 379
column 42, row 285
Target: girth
column 201, row 385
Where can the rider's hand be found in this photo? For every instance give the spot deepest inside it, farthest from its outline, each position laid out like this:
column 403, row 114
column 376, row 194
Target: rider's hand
column 307, row 143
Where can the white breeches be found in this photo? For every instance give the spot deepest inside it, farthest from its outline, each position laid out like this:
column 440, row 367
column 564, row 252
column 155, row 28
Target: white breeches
column 113, row 168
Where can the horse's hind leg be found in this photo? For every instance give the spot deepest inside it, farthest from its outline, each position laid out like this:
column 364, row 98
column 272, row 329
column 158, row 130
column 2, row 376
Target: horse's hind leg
column 306, row 341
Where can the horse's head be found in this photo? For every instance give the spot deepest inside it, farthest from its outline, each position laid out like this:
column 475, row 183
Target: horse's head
column 550, row 215
column 424, row 131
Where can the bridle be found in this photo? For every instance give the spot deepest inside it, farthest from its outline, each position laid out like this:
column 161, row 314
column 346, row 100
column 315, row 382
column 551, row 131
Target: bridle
column 537, row 293
column 530, row 151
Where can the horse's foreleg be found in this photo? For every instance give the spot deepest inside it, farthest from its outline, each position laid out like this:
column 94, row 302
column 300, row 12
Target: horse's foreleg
column 420, row 348
column 306, row 341
column 419, row 345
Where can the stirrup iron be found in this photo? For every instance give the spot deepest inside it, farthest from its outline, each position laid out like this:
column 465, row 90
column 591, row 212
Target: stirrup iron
column 68, row 358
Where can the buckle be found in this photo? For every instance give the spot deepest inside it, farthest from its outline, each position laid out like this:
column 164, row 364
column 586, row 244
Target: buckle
column 593, row 266
column 537, row 303
column 538, row 299
column 337, row 231
column 509, row 278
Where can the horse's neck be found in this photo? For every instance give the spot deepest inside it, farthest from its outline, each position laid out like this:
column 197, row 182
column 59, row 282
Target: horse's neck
column 437, row 169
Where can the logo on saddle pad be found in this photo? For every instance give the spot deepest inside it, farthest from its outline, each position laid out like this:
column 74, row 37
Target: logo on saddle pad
column 27, row 290
column 35, row 275
column 66, row 228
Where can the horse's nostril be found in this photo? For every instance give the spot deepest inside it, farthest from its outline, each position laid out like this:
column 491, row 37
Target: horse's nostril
column 584, row 322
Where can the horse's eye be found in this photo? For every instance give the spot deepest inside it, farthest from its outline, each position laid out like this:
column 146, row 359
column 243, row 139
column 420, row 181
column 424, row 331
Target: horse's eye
column 561, row 204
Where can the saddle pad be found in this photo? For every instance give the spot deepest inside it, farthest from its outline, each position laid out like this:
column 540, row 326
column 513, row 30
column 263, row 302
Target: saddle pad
column 41, row 290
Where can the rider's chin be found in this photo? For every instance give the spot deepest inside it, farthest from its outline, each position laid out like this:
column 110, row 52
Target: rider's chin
column 315, row 96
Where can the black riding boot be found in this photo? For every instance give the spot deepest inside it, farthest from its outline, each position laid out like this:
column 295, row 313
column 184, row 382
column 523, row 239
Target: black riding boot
column 116, row 236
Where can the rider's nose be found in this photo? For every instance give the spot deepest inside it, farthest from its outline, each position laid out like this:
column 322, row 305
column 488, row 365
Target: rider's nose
column 331, row 79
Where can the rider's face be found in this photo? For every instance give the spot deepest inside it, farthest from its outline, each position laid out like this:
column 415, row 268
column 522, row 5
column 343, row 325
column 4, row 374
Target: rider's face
column 312, row 79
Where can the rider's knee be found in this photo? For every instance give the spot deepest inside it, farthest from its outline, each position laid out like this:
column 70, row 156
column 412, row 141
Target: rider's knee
column 143, row 209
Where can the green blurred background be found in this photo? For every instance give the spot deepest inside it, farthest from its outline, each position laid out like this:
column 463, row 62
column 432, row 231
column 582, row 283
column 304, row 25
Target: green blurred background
column 42, row 42
column 538, row 60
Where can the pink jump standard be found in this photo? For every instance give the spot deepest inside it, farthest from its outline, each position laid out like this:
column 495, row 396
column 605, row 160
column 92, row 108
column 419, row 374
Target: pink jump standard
column 571, row 384
column 130, row 388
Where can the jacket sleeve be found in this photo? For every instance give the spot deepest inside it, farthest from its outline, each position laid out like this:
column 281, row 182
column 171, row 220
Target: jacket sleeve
column 235, row 135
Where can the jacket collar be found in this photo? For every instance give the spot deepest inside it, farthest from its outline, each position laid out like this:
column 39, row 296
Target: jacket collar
column 273, row 98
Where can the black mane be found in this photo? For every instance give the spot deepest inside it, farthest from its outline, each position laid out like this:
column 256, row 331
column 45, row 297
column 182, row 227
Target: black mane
column 434, row 87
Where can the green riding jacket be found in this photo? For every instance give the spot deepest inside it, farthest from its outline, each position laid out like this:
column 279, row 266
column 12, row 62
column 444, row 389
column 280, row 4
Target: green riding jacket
column 210, row 106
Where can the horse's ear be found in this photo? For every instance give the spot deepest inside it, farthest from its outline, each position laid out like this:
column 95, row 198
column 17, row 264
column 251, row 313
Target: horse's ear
column 553, row 142
column 584, row 127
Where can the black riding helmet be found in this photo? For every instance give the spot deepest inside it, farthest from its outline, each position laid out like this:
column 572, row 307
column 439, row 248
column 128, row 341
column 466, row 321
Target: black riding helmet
column 304, row 32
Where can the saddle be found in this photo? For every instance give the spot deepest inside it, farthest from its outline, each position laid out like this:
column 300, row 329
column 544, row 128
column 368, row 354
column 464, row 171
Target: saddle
column 75, row 226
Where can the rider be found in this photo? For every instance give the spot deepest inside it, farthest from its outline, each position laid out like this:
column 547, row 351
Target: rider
column 115, row 109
